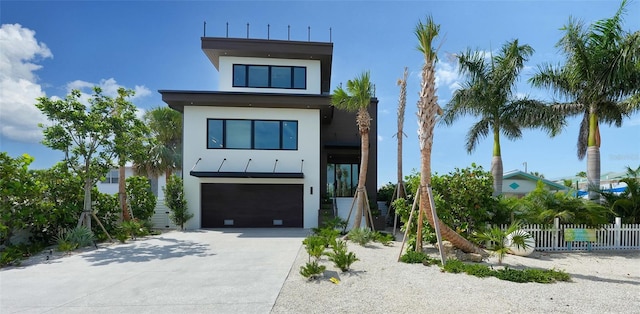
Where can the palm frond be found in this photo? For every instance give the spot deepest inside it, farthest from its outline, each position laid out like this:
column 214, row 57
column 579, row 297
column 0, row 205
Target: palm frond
column 477, row 132
column 357, row 95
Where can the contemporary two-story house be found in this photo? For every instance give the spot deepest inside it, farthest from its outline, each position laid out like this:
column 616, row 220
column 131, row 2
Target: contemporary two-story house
column 263, row 149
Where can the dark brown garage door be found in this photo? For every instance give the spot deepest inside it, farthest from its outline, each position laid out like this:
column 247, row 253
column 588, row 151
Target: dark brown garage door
column 251, row 205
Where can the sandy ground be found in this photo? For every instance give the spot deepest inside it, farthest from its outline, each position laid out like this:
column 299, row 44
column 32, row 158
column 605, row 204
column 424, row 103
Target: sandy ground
column 602, row 282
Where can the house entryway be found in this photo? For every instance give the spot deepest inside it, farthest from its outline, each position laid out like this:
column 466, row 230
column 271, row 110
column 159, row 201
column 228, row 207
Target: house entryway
column 251, row 205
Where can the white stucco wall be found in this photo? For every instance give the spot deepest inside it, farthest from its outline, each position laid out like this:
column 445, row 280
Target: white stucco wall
column 112, row 188
column 226, row 74
column 195, row 146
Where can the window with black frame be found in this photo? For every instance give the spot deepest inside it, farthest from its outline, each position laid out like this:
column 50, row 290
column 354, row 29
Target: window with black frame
column 252, row 134
column 342, row 179
column 269, row 76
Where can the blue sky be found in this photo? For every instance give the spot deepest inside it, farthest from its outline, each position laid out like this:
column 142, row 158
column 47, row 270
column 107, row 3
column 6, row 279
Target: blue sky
column 50, row 47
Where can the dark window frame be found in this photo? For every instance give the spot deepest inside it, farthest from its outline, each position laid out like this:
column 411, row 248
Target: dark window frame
column 269, row 84
column 281, row 141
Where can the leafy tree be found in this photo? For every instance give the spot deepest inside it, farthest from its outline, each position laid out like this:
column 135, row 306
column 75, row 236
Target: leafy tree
column 427, row 110
column 475, row 207
column 627, row 204
column 164, row 154
column 85, row 135
column 357, row 97
column 600, row 79
column 64, row 191
column 174, row 199
column 489, row 95
column 21, row 206
column 131, row 136
column 541, row 206
column 140, row 198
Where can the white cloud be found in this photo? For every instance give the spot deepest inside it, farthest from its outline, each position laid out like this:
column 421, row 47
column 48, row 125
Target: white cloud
column 19, row 89
column 109, row 88
column 447, row 74
column 380, row 138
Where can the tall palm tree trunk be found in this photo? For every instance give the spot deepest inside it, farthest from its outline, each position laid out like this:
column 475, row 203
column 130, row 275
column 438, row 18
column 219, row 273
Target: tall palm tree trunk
column 427, row 110
column 496, row 164
column 401, row 108
column 122, row 193
column 593, row 156
column 363, row 120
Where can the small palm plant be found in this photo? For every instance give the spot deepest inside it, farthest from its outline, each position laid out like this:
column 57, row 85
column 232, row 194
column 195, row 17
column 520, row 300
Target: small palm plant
column 340, row 257
column 497, row 239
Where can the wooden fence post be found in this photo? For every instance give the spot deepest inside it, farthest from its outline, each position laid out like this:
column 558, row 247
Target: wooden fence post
column 617, row 233
column 556, row 234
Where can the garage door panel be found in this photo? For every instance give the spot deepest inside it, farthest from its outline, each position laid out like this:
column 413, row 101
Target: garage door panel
column 251, row 205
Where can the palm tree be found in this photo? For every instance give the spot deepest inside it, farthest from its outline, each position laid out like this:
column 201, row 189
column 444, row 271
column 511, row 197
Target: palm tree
column 357, row 98
column 488, row 94
column 402, row 103
column 600, row 79
column 165, row 152
column 130, row 135
column 427, row 110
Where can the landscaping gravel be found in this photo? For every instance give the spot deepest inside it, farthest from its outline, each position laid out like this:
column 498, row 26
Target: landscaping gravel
column 602, row 282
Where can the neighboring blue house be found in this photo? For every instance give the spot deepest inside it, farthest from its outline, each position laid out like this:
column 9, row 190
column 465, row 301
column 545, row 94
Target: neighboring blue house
column 518, row 183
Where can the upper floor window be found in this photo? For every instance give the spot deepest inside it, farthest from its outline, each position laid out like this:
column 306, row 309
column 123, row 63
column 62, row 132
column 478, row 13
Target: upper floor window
column 111, row 177
column 269, row 76
column 252, row 134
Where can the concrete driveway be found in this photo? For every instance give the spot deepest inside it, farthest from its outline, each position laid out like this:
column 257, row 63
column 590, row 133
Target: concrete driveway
column 204, row 271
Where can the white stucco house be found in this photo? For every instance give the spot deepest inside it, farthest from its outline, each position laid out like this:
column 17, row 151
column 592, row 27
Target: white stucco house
column 262, row 149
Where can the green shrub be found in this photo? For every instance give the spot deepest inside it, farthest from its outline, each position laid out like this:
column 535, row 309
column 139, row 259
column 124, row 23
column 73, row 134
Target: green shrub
column 174, row 199
column 312, row 270
column 140, row 198
column 509, row 274
column 454, row 266
column 81, row 236
column 340, row 257
column 63, row 241
column 383, row 238
column 479, row 270
column 335, row 223
column 361, row 236
column 133, row 229
column 327, row 234
column 314, row 245
column 413, row 257
column 11, row 256
column 122, row 236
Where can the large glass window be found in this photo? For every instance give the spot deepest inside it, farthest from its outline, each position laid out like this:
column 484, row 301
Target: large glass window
column 299, row 77
column 239, row 75
column 238, row 134
column 252, row 134
column 289, row 135
column 342, row 179
column 269, row 76
column 215, row 135
column 266, row 134
column 258, row 76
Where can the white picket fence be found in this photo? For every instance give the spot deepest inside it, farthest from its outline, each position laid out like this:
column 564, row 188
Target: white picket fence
column 614, row 236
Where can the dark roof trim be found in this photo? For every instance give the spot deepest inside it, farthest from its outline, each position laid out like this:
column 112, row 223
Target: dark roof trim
column 215, row 174
column 215, row 47
column 177, row 100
